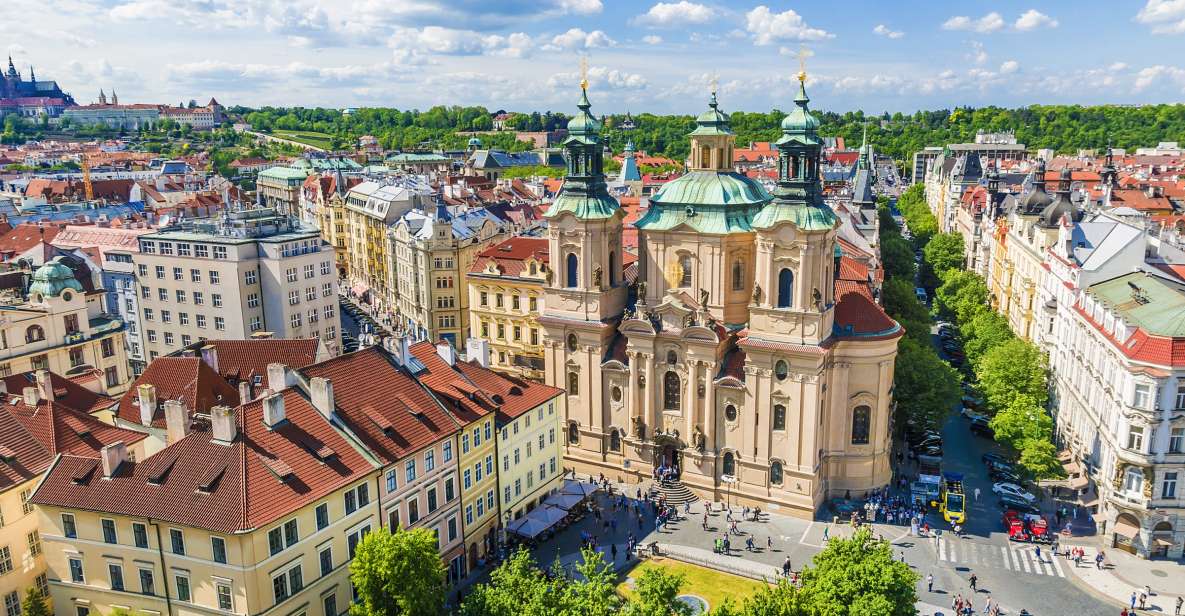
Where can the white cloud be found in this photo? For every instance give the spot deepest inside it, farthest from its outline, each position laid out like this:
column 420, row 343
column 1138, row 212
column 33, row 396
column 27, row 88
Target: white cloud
column 652, row 39
column 988, row 23
column 411, row 43
column 581, row 7
column 1165, row 16
column 220, row 74
column 1033, row 19
column 884, row 30
column 599, row 77
column 576, row 38
column 1160, row 75
column 977, row 54
column 1009, row 67
column 1117, row 66
column 768, row 27
column 667, row 14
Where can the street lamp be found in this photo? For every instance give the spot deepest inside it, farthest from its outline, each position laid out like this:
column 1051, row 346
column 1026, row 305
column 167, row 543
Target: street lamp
column 728, row 481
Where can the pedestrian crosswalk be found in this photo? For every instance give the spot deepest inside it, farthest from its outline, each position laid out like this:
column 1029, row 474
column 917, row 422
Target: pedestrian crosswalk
column 1021, row 558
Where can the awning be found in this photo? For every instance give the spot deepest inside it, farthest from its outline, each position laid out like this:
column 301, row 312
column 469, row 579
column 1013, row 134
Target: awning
column 1127, row 529
column 582, row 488
column 550, row 515
column 1072, row 467
column 1099, row 517
column 1167, row 543
column 360, row 288
column 528, row 527
column 1094, row 500
column 563, row 501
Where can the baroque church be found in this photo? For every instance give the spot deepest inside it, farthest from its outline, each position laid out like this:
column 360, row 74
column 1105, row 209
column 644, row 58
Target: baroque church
column 14, row 86
column 750, row 357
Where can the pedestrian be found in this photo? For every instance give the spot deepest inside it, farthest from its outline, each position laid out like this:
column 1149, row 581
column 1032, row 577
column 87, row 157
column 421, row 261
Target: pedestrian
column 786, row 572
column 1143, row 600
column 974, row 580
column 749, row 544
column 1098, row 560
column 977, row 495
column 1133, row 601
column 613, row 549
column 769, row 543
column 705, row 520
column 930, row 582
column 1039, row 555
column 826, row 532
column 1124, row 612
column 1180, row 602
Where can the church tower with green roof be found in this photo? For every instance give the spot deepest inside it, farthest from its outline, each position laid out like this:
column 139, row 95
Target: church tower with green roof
column 586, row 290
column 796, row 239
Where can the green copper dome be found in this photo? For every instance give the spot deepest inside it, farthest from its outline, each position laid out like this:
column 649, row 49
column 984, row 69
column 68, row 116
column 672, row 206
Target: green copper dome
column 800, row 118
column 717, row 202
column 584, row 193
column 583, row 123
column 52, row 278
column 713, row 121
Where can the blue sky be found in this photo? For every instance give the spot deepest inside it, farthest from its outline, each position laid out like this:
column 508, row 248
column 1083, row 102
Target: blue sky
column 900, row 55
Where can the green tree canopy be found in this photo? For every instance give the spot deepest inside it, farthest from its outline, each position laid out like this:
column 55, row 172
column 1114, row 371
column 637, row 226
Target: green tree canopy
column 944, row 253
column 902, row 304
column 1022, row 419
column 897, row 256
column 656, row 592
column 962, row 295
column 35, row 604
column 384, row 568
column 924, row 386
column 858, row 576
column 1038, row 457
column 986, row 331
column 1012, row 369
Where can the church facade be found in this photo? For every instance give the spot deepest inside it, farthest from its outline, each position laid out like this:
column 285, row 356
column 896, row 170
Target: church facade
column 750, row 358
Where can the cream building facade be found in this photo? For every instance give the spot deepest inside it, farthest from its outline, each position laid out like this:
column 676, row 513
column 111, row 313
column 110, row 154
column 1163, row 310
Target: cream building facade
column 505, row 300
column 371, row 208
column 746, row 366
column 279, row 188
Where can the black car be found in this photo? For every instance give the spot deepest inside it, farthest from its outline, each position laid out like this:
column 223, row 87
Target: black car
column 1005, row 477
column 992, row 456
column 919, row 436
column 980, row 427
column 1018, row 504
column 928, row 450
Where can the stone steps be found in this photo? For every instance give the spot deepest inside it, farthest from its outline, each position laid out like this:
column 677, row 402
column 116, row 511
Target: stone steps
column 676, row 493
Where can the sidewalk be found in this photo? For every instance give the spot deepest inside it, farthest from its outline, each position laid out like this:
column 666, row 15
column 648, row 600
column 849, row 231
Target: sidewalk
column 1123, row 573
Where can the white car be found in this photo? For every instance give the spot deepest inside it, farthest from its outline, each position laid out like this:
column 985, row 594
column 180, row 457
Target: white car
column 971, row 413
column 1013, row 490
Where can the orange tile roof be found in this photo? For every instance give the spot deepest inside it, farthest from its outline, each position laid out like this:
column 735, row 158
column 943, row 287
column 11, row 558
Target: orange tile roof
column 188, row 379
column 511, row 255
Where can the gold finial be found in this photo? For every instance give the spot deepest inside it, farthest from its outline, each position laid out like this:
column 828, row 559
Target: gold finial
column 803, row 54
column 583, row 72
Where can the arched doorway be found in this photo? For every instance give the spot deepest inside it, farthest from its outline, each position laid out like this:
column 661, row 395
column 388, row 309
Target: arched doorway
column 668, row 458
column 1162, row 540
column 1126, row 533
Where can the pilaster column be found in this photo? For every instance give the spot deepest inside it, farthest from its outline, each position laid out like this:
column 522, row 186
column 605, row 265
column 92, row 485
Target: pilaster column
column 692, row 399
column 648, row 393
column 709, row 414
column 632, row 400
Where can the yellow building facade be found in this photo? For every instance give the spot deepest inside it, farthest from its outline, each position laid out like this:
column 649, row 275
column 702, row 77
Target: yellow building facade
column 505, row 299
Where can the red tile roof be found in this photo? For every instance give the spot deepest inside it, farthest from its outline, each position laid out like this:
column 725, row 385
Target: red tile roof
column 511, row 255
column 465, row 400
column 224, row 488
column 390, row 411
column 514, row 395
column 27, row 235
column 188, row 379
column 241, row 359
column 66, row 392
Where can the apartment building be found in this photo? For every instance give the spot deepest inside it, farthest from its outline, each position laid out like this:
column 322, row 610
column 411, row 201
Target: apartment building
column 257, row 510
column 61, row 326
column 370, row 210
column 245, row 273
column 433, row 251
column 42, row 415
column 380, row 398
column 474, row 411
column 505, row 299
column 115, row 247
column 323, row 205
column 278, row 188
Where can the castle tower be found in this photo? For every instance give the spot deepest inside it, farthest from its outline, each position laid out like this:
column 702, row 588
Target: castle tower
column 102, row 97
column 585, row 291
column 796, row 240
column 114, row 98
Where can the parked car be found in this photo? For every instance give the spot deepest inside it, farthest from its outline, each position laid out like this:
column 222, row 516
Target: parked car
column 981, row 427
column 970, row 413
column 1018, row 504
column 921, row 293
column 1013, row 490
column 992, row 456
column 1005, row 476
column 928, row 450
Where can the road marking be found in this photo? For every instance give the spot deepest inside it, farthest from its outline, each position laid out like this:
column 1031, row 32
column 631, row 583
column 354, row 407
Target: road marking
column 1057, row 567
column 1007, row 557
column 805, row 532
column 1021, row 561
column 953, row 557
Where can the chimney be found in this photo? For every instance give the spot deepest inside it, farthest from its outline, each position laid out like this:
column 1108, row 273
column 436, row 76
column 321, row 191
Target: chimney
column 176, row 421
column 245, row 391
column 321, row 394
column 277, row 377
column 446, row 351
column 113, row 455
column 224, row 426
column 478, row 350
column 147, row 403
column 44, row 385
column 31, row 396
column 273, row 410
column 3, row 387
column 210, row 356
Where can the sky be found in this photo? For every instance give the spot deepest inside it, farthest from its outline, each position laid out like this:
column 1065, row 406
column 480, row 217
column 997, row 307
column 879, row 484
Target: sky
column 659, row 57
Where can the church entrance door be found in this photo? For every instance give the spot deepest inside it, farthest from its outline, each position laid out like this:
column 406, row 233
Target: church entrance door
column 670, row 458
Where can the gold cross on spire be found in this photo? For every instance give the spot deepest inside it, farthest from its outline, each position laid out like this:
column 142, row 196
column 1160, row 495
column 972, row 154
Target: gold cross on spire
column 583, row 72
column 803, row 54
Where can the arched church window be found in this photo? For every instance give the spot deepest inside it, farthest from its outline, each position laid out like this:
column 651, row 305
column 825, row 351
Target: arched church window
column 34, row 334
column 704, row 156
column 670, row 391
column 730, row 464
column 785, row 288
column 572, row 265
column 612, row 268
column 615, row 440
column 779, row 417
column 573, row 384
column 781, row 370
column 775, row 473
column 672, row 357
column 861, row 420
column 685, row 271
column 573, row 433
column 738, row 275
column 730, row 413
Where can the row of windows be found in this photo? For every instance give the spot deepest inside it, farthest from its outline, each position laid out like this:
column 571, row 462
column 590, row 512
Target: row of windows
column 181, row 583
column 183, row 249
column 310, row 271
column 544, row 470
column 310, row 293
column 181, row 296
column 410, row 466
column 515, row 301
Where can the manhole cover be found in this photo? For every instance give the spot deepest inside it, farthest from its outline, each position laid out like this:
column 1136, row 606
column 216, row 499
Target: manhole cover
column 697, row 604
column 1159, row 573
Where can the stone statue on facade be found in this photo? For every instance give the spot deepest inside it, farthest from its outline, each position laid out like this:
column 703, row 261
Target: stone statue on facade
column 689, row 320
column 817, row 298
column 703, row 298
column 598, row 274
column 756, row 293
column 639, row 428
column 640, row 291
column 697, row 440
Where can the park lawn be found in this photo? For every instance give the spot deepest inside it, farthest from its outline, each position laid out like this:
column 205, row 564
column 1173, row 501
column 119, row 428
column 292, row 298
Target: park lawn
column 317, row 140
column 714, row 586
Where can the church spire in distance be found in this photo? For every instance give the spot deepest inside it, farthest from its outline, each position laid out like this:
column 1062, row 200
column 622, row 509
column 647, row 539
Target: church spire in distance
column 584, row 192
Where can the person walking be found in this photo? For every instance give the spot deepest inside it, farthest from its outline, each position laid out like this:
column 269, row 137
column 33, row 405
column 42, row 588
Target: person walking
column 1133, row 600
column 930, row 582
column 1180, row 602
column 974, row 580
column 1039, row 555
column 1098, row 560
column 826, row 533
column 977, row 495
column 786, row 572
column 613, row 549
column 769, row 543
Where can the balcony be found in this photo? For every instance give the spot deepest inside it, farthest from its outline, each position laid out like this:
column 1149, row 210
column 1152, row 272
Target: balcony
column 74, row 338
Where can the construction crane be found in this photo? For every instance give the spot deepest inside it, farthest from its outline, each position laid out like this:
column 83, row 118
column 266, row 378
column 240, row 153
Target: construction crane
column 86, row 178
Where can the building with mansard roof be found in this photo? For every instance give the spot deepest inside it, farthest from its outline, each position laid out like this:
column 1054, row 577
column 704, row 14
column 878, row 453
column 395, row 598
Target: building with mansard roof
column 751, row 360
